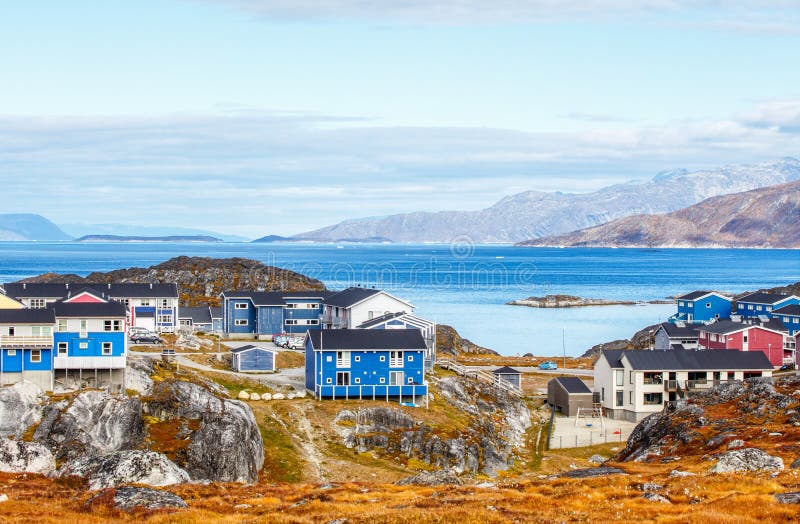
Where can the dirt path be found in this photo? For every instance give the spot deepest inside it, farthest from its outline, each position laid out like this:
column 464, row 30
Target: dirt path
column 304, row 434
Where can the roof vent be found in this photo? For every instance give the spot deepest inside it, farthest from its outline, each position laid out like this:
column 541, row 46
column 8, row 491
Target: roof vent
column 680, row 324
column 24, row 285
column 151, row 285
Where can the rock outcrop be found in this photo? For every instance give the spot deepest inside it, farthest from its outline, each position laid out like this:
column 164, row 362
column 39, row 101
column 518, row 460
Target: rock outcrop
column 226, row 446
column 564, row 301
column 748, row 459
column 93, row 423
column 449, row 342
column 129, row 498
column 431, row 478
column 26, row 457
column 496, row 429
column 125, row 467
column 21, row 407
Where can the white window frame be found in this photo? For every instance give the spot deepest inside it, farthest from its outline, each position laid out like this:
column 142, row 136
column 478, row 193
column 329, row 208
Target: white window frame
column 38, row 303
column 241, row 305
column 357, row 358
column 62, row 349
column 11, row 353
column 382, row 358
column 343, row 374
column 395, row 359
column 107, row 348
column 62, row 324
column 343, row 359
column 411, row 358
column 393, row 378
column 83, row 345
column 38, row 356
column 240, row 322
column 382, row 380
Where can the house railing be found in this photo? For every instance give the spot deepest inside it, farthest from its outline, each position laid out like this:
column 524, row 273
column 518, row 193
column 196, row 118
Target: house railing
column 11, row 341
column 403, row 392
column 480, row 375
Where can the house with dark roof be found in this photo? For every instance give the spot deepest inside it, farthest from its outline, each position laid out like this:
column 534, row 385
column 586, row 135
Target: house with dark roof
column 509, row 376
column 150, row 305
column 26, row 346
column 7, row 302
column 354, row 306
column 699, row 307
column 634, row 384
column 253, row 358
column 403, row 320
column 675, row 335
column 266, row 313
column 770, row 338
column 196, row 319
column 567, row 395
column 366, row 364
column 790, row 317
column 763, row 304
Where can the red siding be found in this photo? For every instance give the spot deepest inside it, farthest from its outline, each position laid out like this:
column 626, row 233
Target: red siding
column 758, row 339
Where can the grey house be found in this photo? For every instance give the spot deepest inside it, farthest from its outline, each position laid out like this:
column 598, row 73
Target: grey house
column 676, row 336
column 567, row 394
column 509, row 375
column 253, row 358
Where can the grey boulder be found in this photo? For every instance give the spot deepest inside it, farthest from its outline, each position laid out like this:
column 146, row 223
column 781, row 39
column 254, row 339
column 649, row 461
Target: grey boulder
column 125, row 467
column 26, row 457
column 129, row 498
column 21, row 407
column 747, row 459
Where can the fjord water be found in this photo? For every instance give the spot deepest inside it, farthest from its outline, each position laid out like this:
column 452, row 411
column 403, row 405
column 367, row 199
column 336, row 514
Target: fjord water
column 467, row 285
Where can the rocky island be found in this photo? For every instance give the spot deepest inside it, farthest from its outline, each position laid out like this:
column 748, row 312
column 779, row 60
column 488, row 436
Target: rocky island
column 557, row 301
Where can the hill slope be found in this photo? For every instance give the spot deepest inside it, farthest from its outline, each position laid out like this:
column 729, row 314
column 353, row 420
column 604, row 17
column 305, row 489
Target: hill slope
column 27, row 226
column 767, row 217
column 534, row 214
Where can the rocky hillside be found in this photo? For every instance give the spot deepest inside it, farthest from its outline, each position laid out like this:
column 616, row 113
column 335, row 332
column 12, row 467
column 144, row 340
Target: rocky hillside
column 449, row 342
column 200, row 280
column 535, row 214
column 766, row 217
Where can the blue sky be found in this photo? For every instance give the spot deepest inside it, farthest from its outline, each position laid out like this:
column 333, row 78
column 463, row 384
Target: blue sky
column 255, row 117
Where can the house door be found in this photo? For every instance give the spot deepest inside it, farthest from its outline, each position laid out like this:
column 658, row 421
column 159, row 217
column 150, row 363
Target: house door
column 395, row 378
column 745, row 344
column 342, row 378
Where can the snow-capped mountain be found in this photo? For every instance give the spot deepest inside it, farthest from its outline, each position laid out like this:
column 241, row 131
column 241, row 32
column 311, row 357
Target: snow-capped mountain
column 535, row 214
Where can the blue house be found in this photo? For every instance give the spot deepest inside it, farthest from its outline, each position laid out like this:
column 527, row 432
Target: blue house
column 26, row 346
column 253, row 358
column 366, row 364
column 403, row 320
column 90, row 343
column 702, row 307
column 763, row 304
column 790, row 316
column 265, row 313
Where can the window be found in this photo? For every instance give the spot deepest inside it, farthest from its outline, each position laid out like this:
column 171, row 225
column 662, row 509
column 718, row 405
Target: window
column 410, row 380
column 165, row 303
column 651, row 399
column 36, row 355
column 84, row 325
column 291, row 305
column 620, row 398
column 240, row 305
column 328, row 380
column 37, row 303
column 11, row 331
column 106, row 348
column 11, row 353
column 631, row 377
column 411, row 358
column 342, row 359
column 744, row 338
column 357, row 358
column 759, row 308
column 290, row 322
column 395, row 378
column 371, row 315
column 165, row 319
column 382, row 380
column 342, row 378
column 83, row 345
column 240, row 322
column 383, row 358
column 328, row 358
column 653, row 378
column 144, row 302
column 62, row 324
column 395, row 359
column 62, row 349
column 769, row 308
column 357, row 380
column 312, row 306
column 620, row 377
column 312, row 322
column 749, row 306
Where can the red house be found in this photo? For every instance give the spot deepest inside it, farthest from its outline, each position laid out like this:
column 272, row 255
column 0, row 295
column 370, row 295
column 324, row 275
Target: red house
column 737, row 336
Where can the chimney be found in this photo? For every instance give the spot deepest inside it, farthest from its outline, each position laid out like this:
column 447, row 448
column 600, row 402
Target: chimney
column 24, row 285
column 151, row 285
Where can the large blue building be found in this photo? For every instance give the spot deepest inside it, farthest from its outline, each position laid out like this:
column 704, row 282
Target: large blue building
column 702, row 307
column 265, row 313
column 26, row 346
column 790, row 316
column 366, row 364
column 763, row 304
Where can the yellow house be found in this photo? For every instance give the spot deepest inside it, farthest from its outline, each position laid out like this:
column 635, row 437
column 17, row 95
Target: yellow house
column 9, row 303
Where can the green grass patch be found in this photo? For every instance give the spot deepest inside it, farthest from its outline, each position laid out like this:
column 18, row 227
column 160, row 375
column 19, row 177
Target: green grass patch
column 282, row 462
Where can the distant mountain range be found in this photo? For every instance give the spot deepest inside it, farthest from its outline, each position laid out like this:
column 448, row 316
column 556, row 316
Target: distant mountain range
column 173, row 238
column 535, row 214
column 767, row 217
column 29, row 227
column 126, row 230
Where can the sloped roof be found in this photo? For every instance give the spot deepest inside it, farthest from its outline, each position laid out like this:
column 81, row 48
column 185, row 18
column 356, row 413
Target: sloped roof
column 674, row 331
column 199, row 315
column 274, row 298
column 613, row 357
column 687, row 360
column 573, row 385
column 118, row 290
column 27, row 316
column 724, row 327
column 89, row 309
column 216, row 312
column 764, row 298
column 792, row 309
column 506, row 370
column 367, row 339
column 350, row 296
column 381, row 319
column 694, row 295
column 251, row 347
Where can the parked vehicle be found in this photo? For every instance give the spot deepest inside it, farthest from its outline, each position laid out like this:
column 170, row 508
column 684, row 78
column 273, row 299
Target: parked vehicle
column 137, row 330
column 295, row 343
column 146, row 339
column 548, row 365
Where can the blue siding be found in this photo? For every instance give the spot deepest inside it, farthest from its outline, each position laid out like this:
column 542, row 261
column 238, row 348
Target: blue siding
column 270, row 320
column 255, row 360
column 792, row 323
column 14, row 364
column 94, row 342
column 311, row 359
column 302, row 313
column 704, row 309
column 748, row 309
column 232, row 315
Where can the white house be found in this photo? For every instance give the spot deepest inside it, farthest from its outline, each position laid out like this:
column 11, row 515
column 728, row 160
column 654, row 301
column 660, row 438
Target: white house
column 678, row 335
column 354, row 306
column 635, row 384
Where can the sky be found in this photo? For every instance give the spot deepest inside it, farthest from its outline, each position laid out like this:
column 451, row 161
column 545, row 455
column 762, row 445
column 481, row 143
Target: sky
column 257, row 117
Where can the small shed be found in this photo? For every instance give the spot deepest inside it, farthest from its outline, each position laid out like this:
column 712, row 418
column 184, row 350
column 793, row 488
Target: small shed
column 509, row 375
column 567, row 394
column 253, row 358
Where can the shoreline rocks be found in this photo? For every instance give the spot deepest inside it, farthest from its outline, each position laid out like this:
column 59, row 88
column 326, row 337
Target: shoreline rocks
column 565, row 301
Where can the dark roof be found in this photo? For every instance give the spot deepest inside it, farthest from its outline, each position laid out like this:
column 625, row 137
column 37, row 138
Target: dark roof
column 27, row 316
column 727, row 326
column 763, row 298
column 366, row 339
column 697, row 360
column 199, row 315
column 613, row 356
column 251, row 346
column 573, row 385
column 694, row 295
column 674, row 331
column 216, row 312
column 381, row 319
column 274, row 298
column 676, row 346
column 350, row 296
column 505, row 370
column 122, row 290
column 89, row 309
column 793, row 309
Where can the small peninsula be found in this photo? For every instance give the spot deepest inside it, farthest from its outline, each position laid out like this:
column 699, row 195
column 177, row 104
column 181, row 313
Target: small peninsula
column 563, row 301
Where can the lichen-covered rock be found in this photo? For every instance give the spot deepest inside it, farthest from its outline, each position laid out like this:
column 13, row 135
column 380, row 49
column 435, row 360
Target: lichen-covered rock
column 21, row 407
column 26, row 457
column 227, row 445
column 138, row 373
column 602, row 471
column 128, row 498
column 125, row 467
column 747, row 459
column 93, row 423
column 431, row 478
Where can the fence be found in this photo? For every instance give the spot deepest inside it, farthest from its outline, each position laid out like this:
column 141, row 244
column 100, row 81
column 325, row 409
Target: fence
column 479, row 374
column 580, row 441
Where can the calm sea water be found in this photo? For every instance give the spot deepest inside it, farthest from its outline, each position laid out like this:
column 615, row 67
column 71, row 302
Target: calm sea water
column 467, row 286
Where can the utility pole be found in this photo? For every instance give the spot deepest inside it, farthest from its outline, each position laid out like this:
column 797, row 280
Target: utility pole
column 564, row 345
